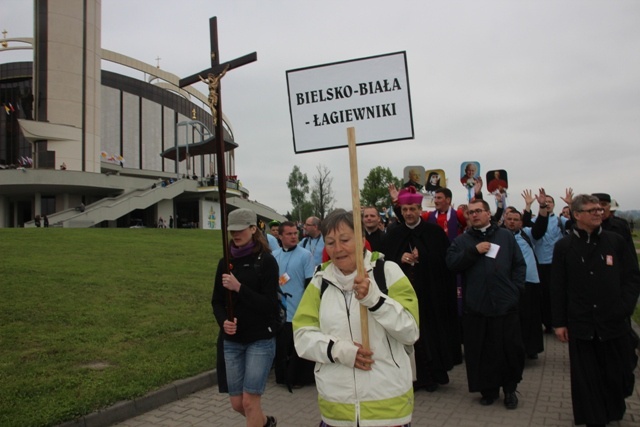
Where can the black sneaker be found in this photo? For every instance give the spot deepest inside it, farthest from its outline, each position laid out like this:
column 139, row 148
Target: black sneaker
column 431, row 387
column 488, row 398
column 271, row 421
column 511, row 400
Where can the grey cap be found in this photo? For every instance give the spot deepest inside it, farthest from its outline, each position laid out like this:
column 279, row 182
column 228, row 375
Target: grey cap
column 241, row 219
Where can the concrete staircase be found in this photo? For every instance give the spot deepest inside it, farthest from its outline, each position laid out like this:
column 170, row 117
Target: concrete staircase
column 112, row 208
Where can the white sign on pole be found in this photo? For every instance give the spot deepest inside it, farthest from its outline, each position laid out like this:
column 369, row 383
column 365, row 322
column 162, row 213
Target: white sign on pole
column 371, row 94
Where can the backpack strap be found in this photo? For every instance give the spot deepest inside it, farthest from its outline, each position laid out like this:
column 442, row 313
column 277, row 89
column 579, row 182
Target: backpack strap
column 257, row 265
column 378, row 275
column 561, row 226
column 526, row 238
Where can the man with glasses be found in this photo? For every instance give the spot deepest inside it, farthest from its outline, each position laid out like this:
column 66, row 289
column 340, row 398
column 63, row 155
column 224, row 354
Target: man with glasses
column 595, row 286
column 313, row 242
column 493, row 272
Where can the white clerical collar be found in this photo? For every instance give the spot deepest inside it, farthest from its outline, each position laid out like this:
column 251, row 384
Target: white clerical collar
column 415, row 225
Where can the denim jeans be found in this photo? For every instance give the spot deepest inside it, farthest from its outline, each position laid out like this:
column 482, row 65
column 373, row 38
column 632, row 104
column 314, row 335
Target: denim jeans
column 248, row 365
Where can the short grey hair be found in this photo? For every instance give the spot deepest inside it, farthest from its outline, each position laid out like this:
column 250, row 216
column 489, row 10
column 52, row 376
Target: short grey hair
column 580, row 200
column 315, row 221
column 337, row 217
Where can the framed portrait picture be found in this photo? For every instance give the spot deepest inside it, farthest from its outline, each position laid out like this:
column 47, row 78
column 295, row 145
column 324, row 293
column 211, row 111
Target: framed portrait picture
column 497, row 180
column 413, row 176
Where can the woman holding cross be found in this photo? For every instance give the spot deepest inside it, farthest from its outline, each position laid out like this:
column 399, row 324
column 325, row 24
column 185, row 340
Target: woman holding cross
column 248, row 318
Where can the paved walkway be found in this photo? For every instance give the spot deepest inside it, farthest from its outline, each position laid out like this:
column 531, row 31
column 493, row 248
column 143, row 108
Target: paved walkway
column 545, row 400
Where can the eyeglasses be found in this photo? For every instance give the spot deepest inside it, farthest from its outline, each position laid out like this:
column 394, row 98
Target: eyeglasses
column 309, row 225
column 593, row 211
column 476, row 211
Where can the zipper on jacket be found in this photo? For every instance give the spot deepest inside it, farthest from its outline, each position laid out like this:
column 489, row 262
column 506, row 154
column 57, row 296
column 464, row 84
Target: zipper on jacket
column 393, row 357
column 355, row 381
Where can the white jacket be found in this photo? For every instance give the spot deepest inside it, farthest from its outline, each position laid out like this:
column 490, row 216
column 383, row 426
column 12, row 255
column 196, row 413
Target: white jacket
column 327, row 324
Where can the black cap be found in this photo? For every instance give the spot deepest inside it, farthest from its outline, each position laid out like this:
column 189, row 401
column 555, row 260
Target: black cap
column 603, row 197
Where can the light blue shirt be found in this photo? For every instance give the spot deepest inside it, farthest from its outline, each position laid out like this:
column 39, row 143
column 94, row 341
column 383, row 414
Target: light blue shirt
column 298, row 266
column 315, row 246
column 544, row 247
column 273, row 242
column 529, row 256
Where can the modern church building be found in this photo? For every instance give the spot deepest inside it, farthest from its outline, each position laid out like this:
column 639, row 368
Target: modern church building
column 89, row 147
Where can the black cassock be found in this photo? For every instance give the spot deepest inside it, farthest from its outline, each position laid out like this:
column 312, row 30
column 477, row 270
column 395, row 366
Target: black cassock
column 435, row 288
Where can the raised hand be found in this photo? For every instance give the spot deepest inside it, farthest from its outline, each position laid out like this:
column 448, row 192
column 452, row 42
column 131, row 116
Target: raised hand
column 393, row 192
column 477, row 187
column 568, row 196
column 527, row 195
column 542, row 197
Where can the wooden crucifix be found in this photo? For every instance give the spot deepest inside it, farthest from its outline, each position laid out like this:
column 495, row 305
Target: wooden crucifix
column 212, row 77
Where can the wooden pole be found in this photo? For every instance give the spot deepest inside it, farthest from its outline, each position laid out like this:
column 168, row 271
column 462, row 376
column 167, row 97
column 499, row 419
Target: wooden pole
column 222, row 172
column 357, row 228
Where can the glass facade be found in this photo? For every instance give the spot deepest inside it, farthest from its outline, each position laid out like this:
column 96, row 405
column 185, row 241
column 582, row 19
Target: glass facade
column 17, row 103
column 138, row 122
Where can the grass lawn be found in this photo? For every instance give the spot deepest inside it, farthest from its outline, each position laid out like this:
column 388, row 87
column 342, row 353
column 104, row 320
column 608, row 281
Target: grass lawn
column 89, row 317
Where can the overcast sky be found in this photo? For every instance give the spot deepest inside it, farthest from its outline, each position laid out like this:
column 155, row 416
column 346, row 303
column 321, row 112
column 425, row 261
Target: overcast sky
column 547, row 90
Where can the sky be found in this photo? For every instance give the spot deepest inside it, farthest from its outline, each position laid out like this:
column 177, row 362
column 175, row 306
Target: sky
column 547, row 90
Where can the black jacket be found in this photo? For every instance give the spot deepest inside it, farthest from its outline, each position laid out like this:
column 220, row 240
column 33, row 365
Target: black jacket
column 375, row 240
column 491, row 286
column 595, row 284
column 621, row 227
column 256, row 305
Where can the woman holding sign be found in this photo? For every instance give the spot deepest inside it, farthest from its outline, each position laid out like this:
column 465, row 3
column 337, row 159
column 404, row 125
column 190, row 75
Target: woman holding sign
column 358, row 386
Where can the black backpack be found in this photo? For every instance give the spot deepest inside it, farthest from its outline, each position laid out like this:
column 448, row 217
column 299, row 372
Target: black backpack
column 281, row 316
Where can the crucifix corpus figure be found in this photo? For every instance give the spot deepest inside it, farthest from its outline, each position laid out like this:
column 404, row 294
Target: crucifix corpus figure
column 213, row 81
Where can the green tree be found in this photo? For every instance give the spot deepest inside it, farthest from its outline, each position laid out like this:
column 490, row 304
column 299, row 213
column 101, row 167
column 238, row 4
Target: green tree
column 374, row 191
column 298, row 184
column 307, row 210
column 322, row 195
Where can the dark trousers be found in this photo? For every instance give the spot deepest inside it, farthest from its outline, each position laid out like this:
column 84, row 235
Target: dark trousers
column 601, row 377
column 290, row 369
column 530, row 319
column 494, row 354
column 544, row 272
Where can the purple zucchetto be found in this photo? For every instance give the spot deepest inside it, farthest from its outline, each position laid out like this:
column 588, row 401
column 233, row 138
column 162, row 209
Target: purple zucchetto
column 409, row 196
